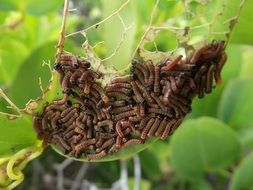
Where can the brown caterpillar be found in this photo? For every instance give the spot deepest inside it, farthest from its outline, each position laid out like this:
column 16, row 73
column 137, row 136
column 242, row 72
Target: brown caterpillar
column 151, row 101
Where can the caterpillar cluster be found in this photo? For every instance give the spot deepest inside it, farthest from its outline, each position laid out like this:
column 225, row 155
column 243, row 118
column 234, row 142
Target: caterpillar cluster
column 91, row 121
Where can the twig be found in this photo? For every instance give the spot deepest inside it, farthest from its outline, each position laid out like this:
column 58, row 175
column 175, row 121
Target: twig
column 60, row 44
column 13, row 106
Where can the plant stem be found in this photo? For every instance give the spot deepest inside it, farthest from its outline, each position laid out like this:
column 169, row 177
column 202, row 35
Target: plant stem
column 60, row 44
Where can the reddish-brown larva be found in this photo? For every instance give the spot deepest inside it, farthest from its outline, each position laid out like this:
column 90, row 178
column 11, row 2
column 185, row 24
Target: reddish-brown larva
column 209, row 79
column 83, row 145
column 59, row 102
column 131, row 142
column 168, row 129
column 144, row 132
column 118, row 128
column 65, row 81
column 96, row 156
column 217, row 74
column 198, row 53
column 137, row 93
column 119, row 95
column 101, row 92
column 172, row 64
column 161, row 127
column 124, row 115
column 139, row 75
column 122, row 79
column 55, row 119
column 108, row 123
column 115, row 86
column 154, row 127
column 142, row 67
column 105, row 145
column 74, row 77
column 159, row 111
column 157, row 80
column 151, row 73
column 121, row 109
column 62, row 143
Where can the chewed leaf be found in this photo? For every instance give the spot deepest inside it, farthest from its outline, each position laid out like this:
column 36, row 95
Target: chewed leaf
column 91, row 122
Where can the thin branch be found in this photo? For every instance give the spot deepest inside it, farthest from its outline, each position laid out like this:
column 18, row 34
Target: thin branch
column 60, row 44
column 116, row 50
column 13, row 106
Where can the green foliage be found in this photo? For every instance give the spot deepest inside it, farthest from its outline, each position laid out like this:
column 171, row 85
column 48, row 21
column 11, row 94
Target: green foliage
column 196, row 147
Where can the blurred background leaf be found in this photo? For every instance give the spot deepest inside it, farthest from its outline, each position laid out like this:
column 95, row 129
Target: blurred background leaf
column 243, row 176
column 196, row 147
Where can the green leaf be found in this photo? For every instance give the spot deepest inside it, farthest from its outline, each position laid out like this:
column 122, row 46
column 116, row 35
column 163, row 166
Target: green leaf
column 125, row 153
column 236, row 103
column 242, row 33
column 242, row 178
column 201, row 145
column 40, row 7
column 113, row 32
column 16, row 134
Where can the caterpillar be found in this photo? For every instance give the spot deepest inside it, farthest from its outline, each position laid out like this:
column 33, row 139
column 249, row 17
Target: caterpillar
column 151, row 101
